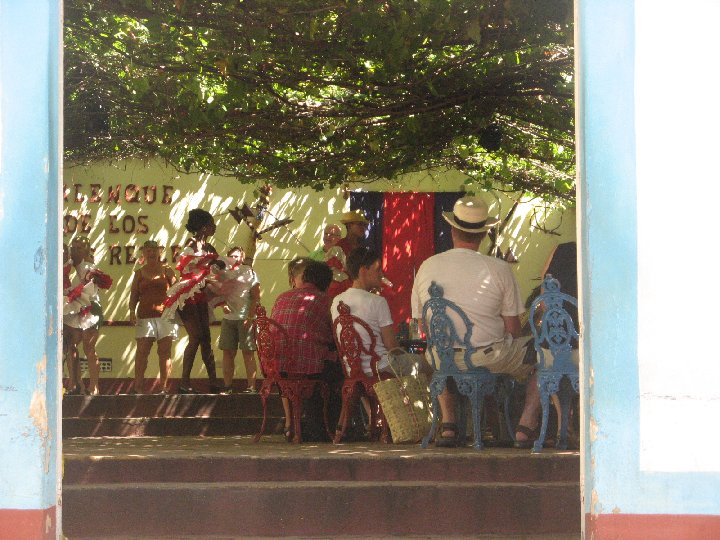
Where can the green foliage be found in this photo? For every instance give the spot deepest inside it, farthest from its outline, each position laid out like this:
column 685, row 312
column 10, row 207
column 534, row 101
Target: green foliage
column 317, row 92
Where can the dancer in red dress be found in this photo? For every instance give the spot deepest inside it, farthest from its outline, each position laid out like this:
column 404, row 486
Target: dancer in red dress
column 188, row 297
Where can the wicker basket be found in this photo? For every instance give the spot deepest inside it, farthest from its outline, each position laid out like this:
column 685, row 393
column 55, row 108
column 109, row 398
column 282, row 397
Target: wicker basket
column 405, row 402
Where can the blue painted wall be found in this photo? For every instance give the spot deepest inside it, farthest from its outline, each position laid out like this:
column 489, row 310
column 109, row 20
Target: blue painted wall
column 29, row 178
column 608, row 223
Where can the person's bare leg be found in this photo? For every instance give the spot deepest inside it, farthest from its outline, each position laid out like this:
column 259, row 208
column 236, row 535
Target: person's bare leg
column 164, row 349
column 531, row 413
column 206, row 351
column 142, row 351
column 71, row 339
column 447, row 410
column 366, row 405
column 229, row 367
column 250, row 368
column 89, row 339
column 189, row 318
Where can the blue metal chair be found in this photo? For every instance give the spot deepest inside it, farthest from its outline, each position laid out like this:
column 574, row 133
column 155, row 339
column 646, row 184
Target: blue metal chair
column 443, row 341
column 556, row 333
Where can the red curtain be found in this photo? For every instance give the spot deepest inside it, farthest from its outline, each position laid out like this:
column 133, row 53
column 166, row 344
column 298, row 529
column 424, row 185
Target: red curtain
column 408, row 239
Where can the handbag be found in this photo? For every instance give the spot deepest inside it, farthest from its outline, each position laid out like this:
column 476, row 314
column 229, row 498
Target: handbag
column 405, row 402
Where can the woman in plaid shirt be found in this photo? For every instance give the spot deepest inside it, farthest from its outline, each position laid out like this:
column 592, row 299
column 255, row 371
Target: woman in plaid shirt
column 304, row 311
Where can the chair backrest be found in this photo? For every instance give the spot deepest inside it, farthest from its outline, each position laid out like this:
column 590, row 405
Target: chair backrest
column 556, row 331
column 442, row 336
column 273, row 344
column 350, row 344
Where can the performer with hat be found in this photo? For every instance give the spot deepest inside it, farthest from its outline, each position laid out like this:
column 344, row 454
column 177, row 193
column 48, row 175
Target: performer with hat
column 486, row 290
column 356, row 225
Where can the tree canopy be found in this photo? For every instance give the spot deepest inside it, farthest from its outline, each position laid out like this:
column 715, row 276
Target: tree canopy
column 319, row 92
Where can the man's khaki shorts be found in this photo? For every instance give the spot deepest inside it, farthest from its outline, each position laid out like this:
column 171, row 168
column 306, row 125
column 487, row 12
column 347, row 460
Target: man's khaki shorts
column 504, row 357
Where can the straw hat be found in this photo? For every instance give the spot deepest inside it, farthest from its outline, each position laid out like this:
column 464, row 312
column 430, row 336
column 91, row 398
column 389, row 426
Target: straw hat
column 353, row 217
column 470, row 214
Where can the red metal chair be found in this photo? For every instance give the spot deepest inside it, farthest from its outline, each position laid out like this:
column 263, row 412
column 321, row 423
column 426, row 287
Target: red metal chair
column 277, row 362
column 351, row 350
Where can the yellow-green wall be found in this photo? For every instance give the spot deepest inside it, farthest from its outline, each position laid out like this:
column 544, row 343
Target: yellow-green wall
column 110, row 224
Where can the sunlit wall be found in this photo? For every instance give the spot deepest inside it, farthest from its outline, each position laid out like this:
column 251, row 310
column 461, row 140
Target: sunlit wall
column 119, row 206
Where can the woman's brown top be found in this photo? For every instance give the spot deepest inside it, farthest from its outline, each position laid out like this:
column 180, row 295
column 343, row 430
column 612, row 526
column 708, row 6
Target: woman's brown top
column 152, row 288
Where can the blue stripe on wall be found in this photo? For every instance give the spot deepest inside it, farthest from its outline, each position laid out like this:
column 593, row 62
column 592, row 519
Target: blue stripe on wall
column 29, row 327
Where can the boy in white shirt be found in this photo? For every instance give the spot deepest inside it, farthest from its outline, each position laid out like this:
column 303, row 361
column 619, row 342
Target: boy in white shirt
column 364, row 268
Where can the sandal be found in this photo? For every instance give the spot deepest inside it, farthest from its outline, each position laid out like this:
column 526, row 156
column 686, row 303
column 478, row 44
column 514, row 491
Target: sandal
column 186, row 390
column 288, row 434
column 531, row 435
column 443, row 441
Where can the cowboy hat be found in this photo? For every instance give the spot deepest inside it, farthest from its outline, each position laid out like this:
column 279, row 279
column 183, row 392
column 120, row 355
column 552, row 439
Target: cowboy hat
column 353, row 217
column 470, row 214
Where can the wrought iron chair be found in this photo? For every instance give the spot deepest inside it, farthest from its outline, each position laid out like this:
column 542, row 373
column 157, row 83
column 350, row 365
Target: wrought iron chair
column 556, row 333
column 443, row 341
column 351, row 350
column 277, row 361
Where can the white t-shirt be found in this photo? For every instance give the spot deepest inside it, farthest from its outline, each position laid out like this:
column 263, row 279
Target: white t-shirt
column 483, row 287
column 235, row 288
column 372, row 309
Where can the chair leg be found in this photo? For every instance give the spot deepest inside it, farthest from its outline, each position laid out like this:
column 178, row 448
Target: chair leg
column 545, row 402
column 296, row 416
column 325, row 394
column 348, row 405
column 264, row 391
column 433, row 426
column 565, row 396
column 461, row 415
column 509, row 390
column 476, row 400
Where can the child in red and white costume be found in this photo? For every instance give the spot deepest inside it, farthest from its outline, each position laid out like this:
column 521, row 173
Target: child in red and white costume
column 82, row 312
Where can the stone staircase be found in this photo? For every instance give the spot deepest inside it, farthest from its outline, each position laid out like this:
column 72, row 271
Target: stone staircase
column 125, row 415
column 185, row 466
column 229, row 487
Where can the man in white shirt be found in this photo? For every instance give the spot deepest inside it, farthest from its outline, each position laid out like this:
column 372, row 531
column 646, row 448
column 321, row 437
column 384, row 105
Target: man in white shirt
column 239, row 288
column 486, row 290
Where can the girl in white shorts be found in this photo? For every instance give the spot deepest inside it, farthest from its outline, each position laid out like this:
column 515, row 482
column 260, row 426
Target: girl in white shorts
column 147, row 294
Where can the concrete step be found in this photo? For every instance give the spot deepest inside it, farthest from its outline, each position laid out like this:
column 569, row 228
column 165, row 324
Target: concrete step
column 310, row 508
column 173, row 405
column 172, row 426
column 151, row 415
column 270, row 468
column 226, row 487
